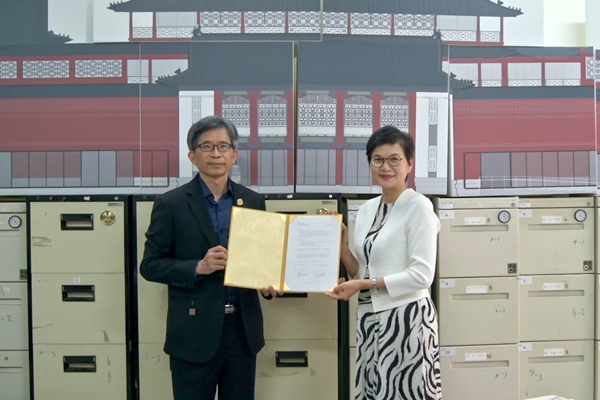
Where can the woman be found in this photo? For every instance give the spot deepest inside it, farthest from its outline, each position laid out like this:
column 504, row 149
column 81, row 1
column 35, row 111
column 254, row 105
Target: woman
column 395, row 246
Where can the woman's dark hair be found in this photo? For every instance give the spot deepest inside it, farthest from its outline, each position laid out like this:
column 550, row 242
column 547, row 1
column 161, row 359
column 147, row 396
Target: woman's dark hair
column 391, row 135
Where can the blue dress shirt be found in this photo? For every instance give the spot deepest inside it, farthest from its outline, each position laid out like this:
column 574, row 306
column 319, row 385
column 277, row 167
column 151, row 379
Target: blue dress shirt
column 220, row 216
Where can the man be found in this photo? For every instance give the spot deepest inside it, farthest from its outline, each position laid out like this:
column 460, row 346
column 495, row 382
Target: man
column 213, row 332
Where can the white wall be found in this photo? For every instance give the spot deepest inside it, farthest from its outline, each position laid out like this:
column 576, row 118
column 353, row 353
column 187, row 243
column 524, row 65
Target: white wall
column 72, row 17
column 564, row 22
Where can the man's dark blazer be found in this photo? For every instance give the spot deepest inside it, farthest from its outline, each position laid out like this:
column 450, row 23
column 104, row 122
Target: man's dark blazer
column 180, row 234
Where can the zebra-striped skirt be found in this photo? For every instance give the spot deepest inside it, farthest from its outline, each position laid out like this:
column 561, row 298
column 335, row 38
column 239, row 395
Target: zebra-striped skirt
column 398, row 353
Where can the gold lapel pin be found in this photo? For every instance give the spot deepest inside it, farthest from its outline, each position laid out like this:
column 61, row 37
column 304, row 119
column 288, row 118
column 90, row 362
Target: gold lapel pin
column 240, row 202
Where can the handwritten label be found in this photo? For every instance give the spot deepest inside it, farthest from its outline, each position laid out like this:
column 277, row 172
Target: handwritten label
column 525, row 347
column 525, row 203
column 552, row 219
column 554, row 286
column 447, row 283
column 477, row 289
column 447, row 351
column 475, row 356
column 525, row 213
column 526, row 280
column 447, row 206
column 447, row 214
column 76, row 279
column 352, row 215
column 354, row 206
column 475, row 220
column 554, row 352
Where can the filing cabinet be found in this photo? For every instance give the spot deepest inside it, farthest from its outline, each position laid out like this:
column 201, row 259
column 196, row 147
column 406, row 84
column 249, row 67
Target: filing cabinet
column 561, row 368
column 478, row 237
column 14, row 332
column 73, row 372
column 480, row 372
column 14, row 375
column 478, row 311
column 557, row 235
column 82, row 309
column 14, row 308
column 78, row 236
column 297, row 370
column 13, row 242
column 79, row 311
column 557, row 307
column 297, row 321
column 153, row 374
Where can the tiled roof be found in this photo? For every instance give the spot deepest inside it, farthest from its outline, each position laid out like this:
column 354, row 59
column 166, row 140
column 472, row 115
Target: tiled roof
column 435, row 7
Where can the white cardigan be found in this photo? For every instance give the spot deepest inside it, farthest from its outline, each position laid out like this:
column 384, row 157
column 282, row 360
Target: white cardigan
column 404, row 251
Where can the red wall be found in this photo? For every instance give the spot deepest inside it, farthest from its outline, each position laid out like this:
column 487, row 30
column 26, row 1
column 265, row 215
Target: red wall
column 108, row 123
column 522, row 125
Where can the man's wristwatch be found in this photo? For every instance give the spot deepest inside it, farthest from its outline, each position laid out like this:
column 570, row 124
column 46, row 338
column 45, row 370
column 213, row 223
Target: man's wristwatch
column 374, row 285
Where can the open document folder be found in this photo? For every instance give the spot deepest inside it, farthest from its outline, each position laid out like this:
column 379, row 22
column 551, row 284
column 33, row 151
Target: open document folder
column 293, row 253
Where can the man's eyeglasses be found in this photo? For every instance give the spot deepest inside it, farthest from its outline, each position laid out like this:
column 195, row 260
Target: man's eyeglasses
column 393, row 161
column 209, row 147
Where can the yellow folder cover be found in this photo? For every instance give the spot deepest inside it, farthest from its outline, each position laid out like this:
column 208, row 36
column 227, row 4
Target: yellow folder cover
column 293, row 253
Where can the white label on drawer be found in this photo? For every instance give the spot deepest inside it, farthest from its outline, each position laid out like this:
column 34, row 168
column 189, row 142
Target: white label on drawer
column 554, row 286
column 447, row 206
column 352, row 215
column 447, row 351
column 475, row 220
column 475, row 356
column 446, row 283
column 76, row 279
column 525, row 213
column 447, row 214
column 552, row 219
column 554, row 352
column 525, row 347
column 477, row 289
column 526, row 280
column 524, row 204
column 354, row 206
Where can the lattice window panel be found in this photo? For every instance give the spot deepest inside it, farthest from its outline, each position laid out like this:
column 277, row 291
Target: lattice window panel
column 371, row 24
column 303, row 22
column 491, row 83
column 414, row 22
column 264, row 22
column 590, row 64
column 563, row 82
column 46, row 69
column 433, row 111
column 459, row 36
column 175, row 32
column 237, row 110
column 272, row 111
column 394, row 111
column 8, row 69
column 221, row 22
column 335, row 23
column 358, row 111
column 98, row 68
column 317, row 110
column 490, row 36
column 137, row 79
column 432, row 159
column 196, row 109
column 142, row 33
column 524, row 82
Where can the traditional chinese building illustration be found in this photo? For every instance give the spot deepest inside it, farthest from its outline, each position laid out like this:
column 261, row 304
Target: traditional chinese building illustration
column 115, row 115
column 466, row 21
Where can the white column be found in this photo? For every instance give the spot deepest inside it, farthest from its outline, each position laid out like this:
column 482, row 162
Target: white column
column 592, row 23
column 187, row 117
